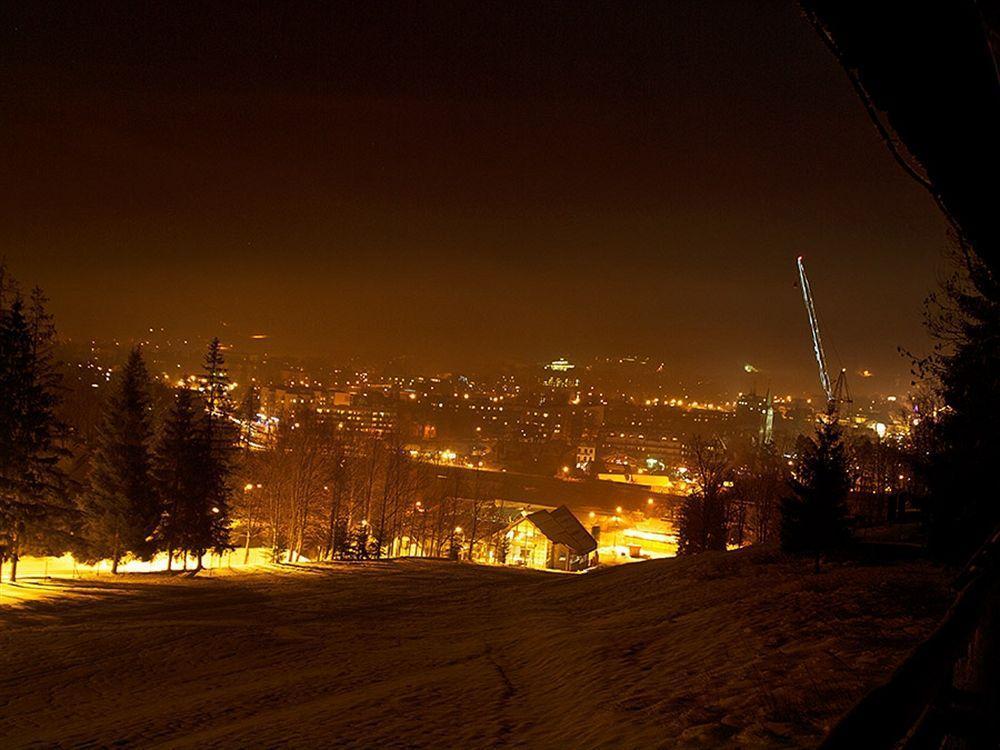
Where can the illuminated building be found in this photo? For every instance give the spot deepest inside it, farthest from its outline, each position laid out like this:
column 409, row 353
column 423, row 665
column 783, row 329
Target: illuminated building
column 653, row 482
column 560, row 365
column 586, row 455
column 549, row 539
column 560, row 375
column 276, row 400
column 363, row 420
column 636, row 449
column 623, row 539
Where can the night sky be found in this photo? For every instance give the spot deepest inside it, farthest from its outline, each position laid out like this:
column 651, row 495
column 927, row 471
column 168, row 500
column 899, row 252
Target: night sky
column 463, row 182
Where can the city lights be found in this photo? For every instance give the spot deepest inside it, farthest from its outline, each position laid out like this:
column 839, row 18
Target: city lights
column 437, row 375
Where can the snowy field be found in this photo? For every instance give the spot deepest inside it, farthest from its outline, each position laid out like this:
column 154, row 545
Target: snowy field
column 730, row 650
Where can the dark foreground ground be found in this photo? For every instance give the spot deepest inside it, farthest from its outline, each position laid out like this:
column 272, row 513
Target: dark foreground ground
column 739, row 649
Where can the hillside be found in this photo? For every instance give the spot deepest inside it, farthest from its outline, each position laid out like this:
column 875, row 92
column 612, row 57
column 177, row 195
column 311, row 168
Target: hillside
column 738, row 649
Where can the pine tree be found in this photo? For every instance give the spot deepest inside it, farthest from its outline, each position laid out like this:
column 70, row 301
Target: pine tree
column 362, row 546
column 209, row 529
column 341, row 541
column 964, row 440
column 814, row 518
column 32, row 486
column 121, row 508
column 178, row 470
column 216, row 387
column 690, row 527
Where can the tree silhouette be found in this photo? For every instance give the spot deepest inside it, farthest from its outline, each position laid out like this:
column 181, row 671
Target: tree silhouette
column 703, row 522
column 208, row 524
column 121, row 509
column 178, row 469
column 32, row 485
column 813, row 519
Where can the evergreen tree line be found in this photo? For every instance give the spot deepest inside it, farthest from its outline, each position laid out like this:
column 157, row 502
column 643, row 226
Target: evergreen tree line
column 174, row 470
column 160, row 488
column 34, row 511
column 147, row 487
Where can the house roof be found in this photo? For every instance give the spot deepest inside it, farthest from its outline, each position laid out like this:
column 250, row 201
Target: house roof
column 562, row 527
column 546, row 524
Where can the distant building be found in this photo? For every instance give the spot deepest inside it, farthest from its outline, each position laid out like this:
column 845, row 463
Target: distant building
column 378, row 420
column 667, row 449
column 559, row 374
column 351, row 413
column 586, row 455
column 755, row 415
column 636, row 535
column 549, row 539
column 653, row 482
column 276, row 400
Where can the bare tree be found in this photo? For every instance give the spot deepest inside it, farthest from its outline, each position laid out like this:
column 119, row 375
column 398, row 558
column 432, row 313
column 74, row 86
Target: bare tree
column 337, row 490
column 296, row 475
column 703, row 525
column 754, row 505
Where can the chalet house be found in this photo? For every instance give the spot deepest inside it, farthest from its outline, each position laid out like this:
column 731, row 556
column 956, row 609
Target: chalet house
column 549, row 539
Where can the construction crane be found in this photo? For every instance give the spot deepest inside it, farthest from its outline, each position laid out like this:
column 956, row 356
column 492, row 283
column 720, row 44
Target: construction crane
column 837, row 393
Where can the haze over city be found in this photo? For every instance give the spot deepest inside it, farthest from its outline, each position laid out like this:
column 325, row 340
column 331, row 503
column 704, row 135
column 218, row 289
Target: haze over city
column 630, row 180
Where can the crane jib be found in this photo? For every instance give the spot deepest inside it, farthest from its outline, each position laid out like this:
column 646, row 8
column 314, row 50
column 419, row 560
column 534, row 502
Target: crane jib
column 824, row 376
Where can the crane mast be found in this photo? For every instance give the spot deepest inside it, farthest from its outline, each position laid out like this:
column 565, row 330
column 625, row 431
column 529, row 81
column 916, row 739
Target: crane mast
column 824, row 375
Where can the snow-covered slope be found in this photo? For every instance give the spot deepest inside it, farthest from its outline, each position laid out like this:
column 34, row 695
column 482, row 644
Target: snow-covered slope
column 737, row 649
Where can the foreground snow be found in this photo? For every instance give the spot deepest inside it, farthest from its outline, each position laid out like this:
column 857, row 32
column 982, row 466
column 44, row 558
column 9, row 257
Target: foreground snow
column 737, row 649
